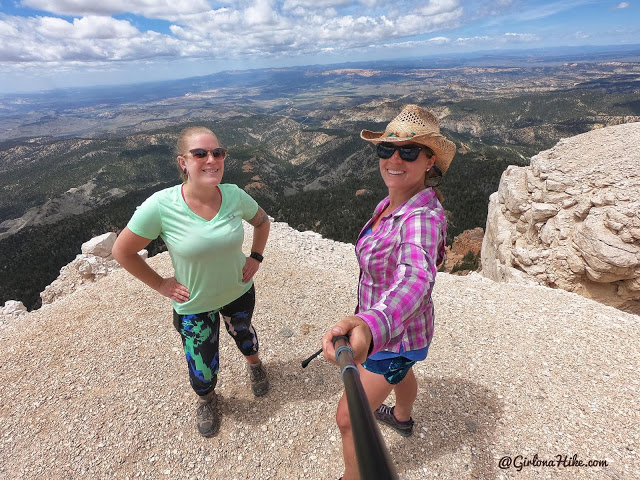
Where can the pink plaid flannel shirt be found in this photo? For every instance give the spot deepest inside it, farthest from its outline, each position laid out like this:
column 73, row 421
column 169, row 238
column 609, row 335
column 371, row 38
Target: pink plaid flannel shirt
column 398, row 265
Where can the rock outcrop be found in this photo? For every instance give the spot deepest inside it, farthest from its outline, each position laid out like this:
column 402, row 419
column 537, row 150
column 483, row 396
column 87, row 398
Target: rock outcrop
column 94, row 262
column 12, row 310
column 467, row 241
column 571, row 219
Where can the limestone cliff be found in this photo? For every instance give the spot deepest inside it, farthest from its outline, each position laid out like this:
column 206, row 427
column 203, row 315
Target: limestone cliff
column 571, row 219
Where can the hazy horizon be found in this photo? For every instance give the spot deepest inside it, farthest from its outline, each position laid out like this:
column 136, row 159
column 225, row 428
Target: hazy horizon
column 488, row 57
column 50, row 44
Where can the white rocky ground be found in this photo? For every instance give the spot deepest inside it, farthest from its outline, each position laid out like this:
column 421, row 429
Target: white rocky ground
column 95, row 386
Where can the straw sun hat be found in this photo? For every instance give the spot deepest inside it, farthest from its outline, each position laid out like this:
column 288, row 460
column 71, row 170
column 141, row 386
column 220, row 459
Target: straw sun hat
column 420, row 126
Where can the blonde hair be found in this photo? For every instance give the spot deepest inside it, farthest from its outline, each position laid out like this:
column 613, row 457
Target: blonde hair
column 182, row 143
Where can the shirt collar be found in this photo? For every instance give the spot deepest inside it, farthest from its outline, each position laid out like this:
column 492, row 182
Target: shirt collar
column 420, row 199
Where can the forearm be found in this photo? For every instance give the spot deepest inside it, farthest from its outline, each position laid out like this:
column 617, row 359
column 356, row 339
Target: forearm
column 260, row 237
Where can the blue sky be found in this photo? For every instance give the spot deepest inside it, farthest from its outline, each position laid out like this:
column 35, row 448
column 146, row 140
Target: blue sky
column 47, row 44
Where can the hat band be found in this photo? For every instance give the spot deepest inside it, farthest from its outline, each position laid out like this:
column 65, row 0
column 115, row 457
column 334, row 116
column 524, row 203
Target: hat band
column 397, row 135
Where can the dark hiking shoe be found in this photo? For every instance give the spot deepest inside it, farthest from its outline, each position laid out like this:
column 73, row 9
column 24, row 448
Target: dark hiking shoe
column 207, row 415
column 259, row 380
column 384, row 414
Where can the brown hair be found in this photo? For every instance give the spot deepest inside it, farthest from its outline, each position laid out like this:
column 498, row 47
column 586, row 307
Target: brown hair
column 183, row 140
column 432, row 179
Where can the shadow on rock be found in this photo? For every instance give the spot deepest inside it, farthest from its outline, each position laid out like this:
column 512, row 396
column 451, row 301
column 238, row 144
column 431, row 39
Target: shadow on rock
column 289, row 383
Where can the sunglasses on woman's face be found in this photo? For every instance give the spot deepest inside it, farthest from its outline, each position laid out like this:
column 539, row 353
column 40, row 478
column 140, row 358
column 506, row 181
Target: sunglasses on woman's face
column 203, row 153
column 408, row 153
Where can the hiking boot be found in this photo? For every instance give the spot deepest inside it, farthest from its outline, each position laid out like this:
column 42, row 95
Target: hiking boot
column 384, row 414
column 207, row 415
column 259, row 380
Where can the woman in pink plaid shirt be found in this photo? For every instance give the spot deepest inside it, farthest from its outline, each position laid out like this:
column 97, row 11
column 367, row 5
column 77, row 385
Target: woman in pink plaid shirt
column 399, row 250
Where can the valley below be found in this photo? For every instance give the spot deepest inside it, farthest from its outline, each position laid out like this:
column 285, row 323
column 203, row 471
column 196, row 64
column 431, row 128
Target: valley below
column 76, row 163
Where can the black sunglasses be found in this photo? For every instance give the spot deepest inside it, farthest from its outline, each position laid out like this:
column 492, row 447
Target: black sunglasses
column 202, row 152
column 408, row 153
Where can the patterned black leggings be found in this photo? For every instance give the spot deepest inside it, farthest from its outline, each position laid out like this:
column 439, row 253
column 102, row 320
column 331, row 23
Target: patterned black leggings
column 200, row 338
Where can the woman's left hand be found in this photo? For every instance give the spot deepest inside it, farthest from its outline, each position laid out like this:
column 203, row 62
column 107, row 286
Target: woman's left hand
column 250, row 268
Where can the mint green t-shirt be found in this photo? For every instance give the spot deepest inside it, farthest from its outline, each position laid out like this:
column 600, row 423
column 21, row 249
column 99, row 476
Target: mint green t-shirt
column 207, row 255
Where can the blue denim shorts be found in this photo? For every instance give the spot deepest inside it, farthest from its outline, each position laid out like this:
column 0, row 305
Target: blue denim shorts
column 394, row 369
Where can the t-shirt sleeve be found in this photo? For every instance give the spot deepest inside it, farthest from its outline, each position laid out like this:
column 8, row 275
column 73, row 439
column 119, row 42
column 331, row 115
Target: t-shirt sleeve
column 146, row 219
column 248, row 205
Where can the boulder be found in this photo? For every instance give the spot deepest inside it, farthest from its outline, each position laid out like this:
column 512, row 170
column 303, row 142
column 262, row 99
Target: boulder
column 12, row 310
column 100, row 246
column 571, row 219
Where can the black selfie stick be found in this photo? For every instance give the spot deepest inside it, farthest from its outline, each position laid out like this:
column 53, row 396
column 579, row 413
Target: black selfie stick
column 374, row 461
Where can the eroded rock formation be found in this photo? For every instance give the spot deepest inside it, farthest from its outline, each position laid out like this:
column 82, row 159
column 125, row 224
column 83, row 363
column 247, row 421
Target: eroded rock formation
column 94, row 262
column 571, row 219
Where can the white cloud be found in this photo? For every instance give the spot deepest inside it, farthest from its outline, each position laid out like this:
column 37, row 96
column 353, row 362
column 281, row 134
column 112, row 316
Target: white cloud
column 415, row 45
column 243, row 27
column 497, row 41
column 164, row 9
column 258, row 29
column 437, row 7
column 261, row 13
column 226, row 30
column 522, row 37
column 86, row 27
column 89, row 39
column 314, row 4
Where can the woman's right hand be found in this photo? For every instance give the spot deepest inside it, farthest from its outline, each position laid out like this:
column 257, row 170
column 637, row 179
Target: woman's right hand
column 170, row 288
column 359, row 335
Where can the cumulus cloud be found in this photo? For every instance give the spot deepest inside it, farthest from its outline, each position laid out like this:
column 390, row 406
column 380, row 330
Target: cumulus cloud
column 622, row 5
column 439, row 41
column 416, row 45
column 261, row 13
column 258, row 28
column 239, row 27
column 313, row 4
column 163, row 9
column 89, row 39
column 86, row 30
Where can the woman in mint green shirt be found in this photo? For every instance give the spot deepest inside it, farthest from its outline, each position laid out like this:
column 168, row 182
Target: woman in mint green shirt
column 200, row 221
